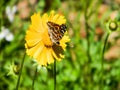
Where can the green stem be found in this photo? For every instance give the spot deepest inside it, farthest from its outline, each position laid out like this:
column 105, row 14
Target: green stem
column 87, row 31
column 88, row 43
column 34, row 79
column 20, row 72
column 88, row 71
column 55, row 75
column 102, row 60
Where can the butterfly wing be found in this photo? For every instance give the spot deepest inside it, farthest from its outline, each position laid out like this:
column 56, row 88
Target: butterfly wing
column 56, row 31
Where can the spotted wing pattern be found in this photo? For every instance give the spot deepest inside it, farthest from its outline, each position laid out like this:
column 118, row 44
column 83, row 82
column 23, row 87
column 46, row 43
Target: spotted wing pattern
column 56, row 31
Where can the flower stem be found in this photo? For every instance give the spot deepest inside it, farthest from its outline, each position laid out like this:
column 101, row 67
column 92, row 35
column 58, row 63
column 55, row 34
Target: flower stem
column 87, row 28
column 55, row 75
column 18, row 81
column 34, row 79
column 87, row 31
column 102, row 60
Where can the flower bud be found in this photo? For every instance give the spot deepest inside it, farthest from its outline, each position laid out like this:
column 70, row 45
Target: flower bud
column 113, row 25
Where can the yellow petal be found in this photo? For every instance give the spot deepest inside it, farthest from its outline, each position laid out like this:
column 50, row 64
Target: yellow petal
column 32, row 38
column 42, row 60
column 54, row 19
column 32, row 51
column 37, row 23
column 49, row 56
column 61, row 20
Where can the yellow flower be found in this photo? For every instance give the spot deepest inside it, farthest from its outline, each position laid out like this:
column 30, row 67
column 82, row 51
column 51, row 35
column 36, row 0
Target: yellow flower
column 38, row 43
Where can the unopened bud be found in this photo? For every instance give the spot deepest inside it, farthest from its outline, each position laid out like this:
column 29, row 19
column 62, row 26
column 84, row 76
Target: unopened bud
column 113, row 25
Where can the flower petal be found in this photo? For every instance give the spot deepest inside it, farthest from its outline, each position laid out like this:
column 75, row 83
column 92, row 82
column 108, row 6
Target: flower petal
column 42, row 60
column 32, row 38
column 37, row 23
column 49, row 56
column 33, row 51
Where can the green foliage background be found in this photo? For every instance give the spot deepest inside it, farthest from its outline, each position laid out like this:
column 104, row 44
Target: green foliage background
column 81, row 68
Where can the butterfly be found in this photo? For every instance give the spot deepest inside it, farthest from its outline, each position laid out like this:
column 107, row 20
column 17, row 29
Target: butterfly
column 56, row 31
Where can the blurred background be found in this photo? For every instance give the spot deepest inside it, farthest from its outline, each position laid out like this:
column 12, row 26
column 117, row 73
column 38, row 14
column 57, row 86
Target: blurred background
column 81, row 67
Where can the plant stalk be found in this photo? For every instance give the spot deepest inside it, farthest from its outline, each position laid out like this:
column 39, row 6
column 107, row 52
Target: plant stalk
column 34, row 78
column 18, row 81
column 55, row 75
column 102, row 60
